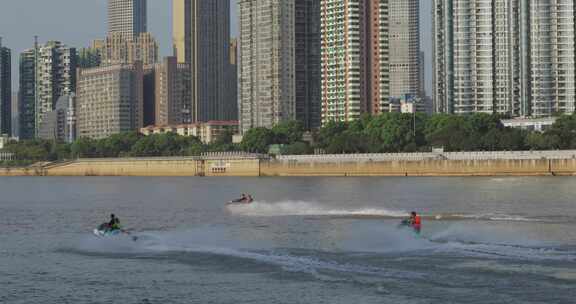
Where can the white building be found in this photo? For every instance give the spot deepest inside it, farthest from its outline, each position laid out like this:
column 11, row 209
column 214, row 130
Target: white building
column 513, row 57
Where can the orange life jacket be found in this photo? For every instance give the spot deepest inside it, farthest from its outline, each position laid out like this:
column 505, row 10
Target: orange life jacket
column 417, row 221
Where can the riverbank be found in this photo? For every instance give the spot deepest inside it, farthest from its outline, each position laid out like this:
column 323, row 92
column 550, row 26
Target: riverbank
column 521, row 163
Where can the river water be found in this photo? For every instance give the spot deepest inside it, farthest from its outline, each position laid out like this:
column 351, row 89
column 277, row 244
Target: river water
column 304, row 240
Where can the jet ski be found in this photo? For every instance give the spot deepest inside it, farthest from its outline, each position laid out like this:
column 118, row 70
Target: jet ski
column 405, row 224
column 104, row 231
column 241, row 201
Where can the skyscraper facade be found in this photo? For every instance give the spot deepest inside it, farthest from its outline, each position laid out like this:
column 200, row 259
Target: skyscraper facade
column 509, row 57
column 27, row 94
column 307, row 60
column 201, row 30
column 279, row 63
column 171, row 91
column 109, row 100
column 127, row 17
column 55, row 76
column 267, row 63
column 5, row 90
column 405, row 64
column 355, row 58
column 121, row 49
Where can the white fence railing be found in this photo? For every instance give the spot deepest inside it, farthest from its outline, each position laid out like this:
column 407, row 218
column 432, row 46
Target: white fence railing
column 505, row 155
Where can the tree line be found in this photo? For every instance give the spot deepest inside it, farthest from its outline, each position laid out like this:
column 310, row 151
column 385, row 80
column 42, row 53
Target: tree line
column 399, row 132
column 385, row 133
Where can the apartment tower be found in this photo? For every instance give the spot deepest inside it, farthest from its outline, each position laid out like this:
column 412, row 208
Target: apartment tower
column 279, row 63
column 27, row 94
column 127, row 17
column 405, row 63
column 55, row 76
column 355, row 58
column 109, row 100
column 168, row 83
column 509, row 57
column 201, row 30
column 5, row 90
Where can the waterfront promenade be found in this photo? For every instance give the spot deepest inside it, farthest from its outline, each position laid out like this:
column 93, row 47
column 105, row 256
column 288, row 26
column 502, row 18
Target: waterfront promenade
column 517, row 163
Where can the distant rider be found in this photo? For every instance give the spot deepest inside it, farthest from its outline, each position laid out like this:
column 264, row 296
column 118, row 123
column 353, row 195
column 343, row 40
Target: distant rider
column 114, row 223
column 242, row 199
column 416, row 222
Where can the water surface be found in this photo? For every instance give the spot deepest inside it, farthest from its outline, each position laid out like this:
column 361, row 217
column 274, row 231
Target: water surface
column 304, row 240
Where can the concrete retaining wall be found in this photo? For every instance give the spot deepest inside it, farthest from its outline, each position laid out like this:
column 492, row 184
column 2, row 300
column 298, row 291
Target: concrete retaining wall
column 302, row 167
column 126, row 167
column 417, row 168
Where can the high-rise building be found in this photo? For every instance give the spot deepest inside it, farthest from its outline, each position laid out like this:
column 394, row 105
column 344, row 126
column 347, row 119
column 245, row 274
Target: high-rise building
column 27, row 94
column 404, row 33
column 5, row 90
column 422, row 76
column 109, row 100
column 355, row 58
column 127, row 17
column 279, row 62
column 267, row 64
column 201, row 30
column 170, row 84
column 60, row 124
column 307, row 43
column 55, row 76
column 91, row 57
column 121, row 49
column 511, row 57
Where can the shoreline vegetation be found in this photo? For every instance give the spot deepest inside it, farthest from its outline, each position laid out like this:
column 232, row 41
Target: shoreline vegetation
column 393, row 133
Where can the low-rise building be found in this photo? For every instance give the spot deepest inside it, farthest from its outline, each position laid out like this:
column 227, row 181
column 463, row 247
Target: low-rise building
column 532, row 124
column 4, row 139
column 207, row 132
column 407, row 103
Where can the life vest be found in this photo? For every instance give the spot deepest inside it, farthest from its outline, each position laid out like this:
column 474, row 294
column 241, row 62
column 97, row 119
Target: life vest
column 417, row 221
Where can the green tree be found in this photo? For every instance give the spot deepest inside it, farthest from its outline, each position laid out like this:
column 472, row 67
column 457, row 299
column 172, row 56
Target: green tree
column 297, row 148
column 288, row 132
column 564, row 132
column 257, row 140
column 391, row 132
column 84, row 148
column 328, row 133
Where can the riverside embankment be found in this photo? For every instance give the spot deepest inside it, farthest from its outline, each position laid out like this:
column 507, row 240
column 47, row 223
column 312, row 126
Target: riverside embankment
column 519, row 163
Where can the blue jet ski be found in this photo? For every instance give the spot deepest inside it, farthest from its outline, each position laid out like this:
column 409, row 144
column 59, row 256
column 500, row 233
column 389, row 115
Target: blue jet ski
column 105, row 231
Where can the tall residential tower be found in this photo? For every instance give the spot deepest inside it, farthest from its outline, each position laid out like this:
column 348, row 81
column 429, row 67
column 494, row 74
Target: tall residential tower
column 201, row 30
column 279, row 62
column 27, row 94
column 355, row 58
column 55, row 76
column 405, row 62
column 513, row 57
column 5, row 90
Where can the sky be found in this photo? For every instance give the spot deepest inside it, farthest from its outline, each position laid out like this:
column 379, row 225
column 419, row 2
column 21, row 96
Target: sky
column 77, row 22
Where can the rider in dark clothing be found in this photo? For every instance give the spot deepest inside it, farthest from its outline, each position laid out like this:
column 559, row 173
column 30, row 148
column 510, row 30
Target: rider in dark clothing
column 114, row 223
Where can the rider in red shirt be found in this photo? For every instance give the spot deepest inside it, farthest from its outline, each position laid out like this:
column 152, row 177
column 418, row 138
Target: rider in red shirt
column 416, row 222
